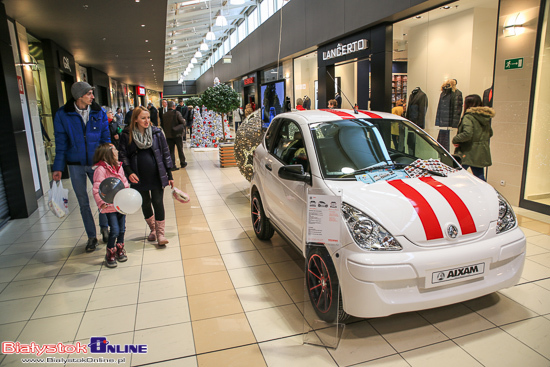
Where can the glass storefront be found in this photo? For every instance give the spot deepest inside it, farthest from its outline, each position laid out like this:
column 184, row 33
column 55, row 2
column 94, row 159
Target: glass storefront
column 537, row 184
column 449, row 54
column 43, row 101
column 305, row 78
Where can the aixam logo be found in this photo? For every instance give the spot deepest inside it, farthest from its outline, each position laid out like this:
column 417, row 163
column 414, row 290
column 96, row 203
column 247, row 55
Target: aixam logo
column 100, row 344
column 458, row 273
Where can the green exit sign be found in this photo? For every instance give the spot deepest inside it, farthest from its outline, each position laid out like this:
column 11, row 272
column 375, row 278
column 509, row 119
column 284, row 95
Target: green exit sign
column 513, row 63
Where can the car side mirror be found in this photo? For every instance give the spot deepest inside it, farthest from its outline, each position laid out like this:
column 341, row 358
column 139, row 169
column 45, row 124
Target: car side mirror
column 294, row 172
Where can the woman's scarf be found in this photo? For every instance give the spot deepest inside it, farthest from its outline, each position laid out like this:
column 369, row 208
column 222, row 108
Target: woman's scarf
column 144, row 141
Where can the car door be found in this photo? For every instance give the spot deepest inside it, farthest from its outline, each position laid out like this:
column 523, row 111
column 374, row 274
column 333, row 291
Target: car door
column 287, row 199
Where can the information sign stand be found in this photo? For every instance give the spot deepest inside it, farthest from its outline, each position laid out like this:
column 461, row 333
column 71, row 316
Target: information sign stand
column 322, row 303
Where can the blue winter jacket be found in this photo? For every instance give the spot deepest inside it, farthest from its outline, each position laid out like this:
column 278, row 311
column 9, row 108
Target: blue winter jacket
column 75, row 143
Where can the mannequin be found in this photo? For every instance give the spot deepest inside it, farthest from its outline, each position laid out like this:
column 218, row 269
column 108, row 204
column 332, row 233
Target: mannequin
column 338, row 99
column 418, row 105
column 449, row 110
column 307, row 103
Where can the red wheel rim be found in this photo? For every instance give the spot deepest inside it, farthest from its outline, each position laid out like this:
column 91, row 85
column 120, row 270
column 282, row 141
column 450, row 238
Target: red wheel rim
column 319, row 283
column 256, row 216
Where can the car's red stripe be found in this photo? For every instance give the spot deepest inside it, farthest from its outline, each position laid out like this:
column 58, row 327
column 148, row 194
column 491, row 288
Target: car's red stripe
column 341, row 114
column 462, row 213
column 431, row 225
column 370, row 114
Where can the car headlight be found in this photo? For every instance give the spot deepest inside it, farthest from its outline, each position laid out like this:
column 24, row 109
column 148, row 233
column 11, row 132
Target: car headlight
column 506, row 216
column 366, row 232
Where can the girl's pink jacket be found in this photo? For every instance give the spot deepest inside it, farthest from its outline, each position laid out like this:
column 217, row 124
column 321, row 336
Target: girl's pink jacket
column 103, row 171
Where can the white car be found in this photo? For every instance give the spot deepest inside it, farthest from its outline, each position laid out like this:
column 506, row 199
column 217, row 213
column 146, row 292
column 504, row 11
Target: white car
column 416, row 231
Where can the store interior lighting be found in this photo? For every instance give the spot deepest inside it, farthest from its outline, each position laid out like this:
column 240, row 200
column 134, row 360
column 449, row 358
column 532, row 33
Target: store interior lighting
column 514, row 25
column 204, row 46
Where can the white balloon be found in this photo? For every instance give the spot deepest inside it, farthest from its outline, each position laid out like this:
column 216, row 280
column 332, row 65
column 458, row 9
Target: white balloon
column 127, row 201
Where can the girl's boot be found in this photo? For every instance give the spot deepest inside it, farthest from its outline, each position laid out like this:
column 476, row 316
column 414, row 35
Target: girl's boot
column 151, row 223
column 121, row 253
column 161, row 240
column 110, row 260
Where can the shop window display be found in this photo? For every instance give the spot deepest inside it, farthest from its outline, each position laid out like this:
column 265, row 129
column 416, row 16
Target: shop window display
column 450, row 54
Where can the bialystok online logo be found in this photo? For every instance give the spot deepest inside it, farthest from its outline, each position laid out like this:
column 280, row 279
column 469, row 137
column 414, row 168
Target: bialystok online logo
column 97, row 345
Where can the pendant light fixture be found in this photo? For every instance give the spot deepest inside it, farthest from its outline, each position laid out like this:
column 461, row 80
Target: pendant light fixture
column 220, row 20
column 236, row 2
column 193, row 60
column 210, row 35
column 198, row 54
column 204, row 46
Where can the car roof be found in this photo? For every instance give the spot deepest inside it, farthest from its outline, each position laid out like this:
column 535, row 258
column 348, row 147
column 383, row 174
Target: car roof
column 323, row 115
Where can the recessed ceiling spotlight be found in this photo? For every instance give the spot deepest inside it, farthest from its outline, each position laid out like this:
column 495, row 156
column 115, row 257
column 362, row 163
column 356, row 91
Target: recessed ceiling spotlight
column 146, row 40
column 143, row 25
column 149, row 51
column 137, row 1
column 446, row 7
column 418, row 17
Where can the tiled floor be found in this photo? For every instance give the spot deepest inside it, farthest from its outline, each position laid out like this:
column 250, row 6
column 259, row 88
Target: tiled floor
column 217, row 296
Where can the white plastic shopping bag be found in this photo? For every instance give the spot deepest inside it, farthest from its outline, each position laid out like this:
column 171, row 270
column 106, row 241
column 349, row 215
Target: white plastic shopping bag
column 59, row 199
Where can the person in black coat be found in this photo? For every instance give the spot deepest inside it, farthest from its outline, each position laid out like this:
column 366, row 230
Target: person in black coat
column 128, row 116
column 154, row 114
column 147, row 163
column 163, row 108
column 174, row 133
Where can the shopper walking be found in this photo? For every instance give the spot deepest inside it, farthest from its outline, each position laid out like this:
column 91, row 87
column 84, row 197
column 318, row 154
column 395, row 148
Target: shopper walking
column 474, row 132
column 113, row 126
column 79, row 127
column 106, row 165
column 154, row 113
column 119, row 117
column 163, row 109
column 174, row 127
column 147, row 163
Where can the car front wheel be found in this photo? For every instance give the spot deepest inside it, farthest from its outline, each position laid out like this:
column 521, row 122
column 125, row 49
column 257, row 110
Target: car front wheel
column 323, row 286
column 262, row 227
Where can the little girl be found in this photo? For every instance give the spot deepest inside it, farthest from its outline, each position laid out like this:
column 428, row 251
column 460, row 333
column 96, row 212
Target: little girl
column 106, row 165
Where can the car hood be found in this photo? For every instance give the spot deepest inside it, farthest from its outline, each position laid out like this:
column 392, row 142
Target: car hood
column 426, row 210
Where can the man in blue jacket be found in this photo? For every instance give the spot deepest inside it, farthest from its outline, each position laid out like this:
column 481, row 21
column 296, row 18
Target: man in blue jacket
column 80, row 126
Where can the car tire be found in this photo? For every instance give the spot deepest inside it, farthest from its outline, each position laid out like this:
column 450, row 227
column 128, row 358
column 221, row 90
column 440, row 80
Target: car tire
column 322, row 284
column 262, row 227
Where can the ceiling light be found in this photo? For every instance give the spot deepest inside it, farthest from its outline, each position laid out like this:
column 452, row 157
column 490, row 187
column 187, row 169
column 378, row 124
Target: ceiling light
column 174, row 48
column 514, row 25
column 204, row 46
column 143, row 25
column 236, row 2
column 191, row 65
column 210, row 36
column 193, row 60
column 221, row 21
column 146, row 40
column 418, row 17
column 149, row 51
column 198, row 54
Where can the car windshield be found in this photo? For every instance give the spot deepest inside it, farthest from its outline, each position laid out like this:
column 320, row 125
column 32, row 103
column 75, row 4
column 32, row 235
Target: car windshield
column 346, row 148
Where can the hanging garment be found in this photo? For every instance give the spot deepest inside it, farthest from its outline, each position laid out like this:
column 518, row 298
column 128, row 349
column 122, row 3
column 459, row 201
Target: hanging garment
column 417, row 107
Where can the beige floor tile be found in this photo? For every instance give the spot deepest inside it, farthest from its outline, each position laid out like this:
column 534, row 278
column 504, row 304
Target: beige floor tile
column 164, row 343
column 224, row 224
column 216, row 217
column 249, row 355
column 280, row 254
column 187, row 229
column 535, row 225
column 497, row 348
column 34, row 271
column 456, row 320
column 208, row 283
column 18, row 248
column 216, row 304
column 26, row 288
column 157, row 290
column 263, row 296
column 114, row 296
column 407, row 331
column 534, row 333
column 542, row 259
column 63, row 303
column 10, row 332
column 171, row 252
column 221, row 333
column 296, row 289
column 232, row 246
column 159, row 271
column 351, row 349
column 154, row 314
column 8, row 274
column 530, row 296
column 533, row 250
column 254, row 275
column 391, row 361
column 499, row 309
column 201, row 265
column 91, row 263
column 544, row 283
column 73, row 282
column 534, row 271
column 107, row 321
column 540, row 240
column 7, row 261
column 59, row 328
column 196, row 238
column 229, row 234
column 202, row 250
column 243, row 259
column 191, row 219
column 291, row 352
column 276, row 322
column 440, row 354
column 180, row 362
column 288, row 270
column 122, row 274
column 18, row 310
